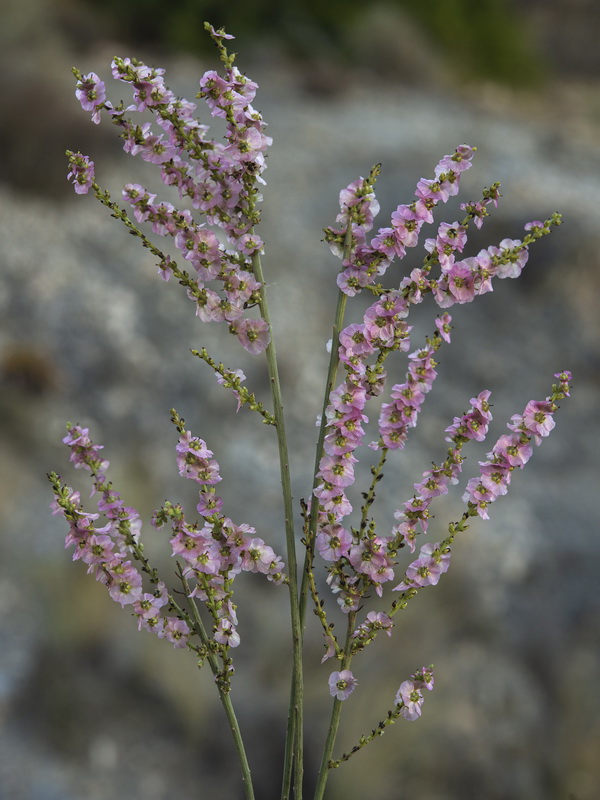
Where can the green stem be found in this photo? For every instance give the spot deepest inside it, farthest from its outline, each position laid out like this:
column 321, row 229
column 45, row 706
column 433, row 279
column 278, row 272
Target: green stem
column 225, row 698
column 377, row 474
column 335, row 717
column 390, row 718
column 294, row 754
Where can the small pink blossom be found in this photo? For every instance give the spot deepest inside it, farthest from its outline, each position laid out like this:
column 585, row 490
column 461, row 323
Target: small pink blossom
column 258, row 557
column 124, row 583
column 342, row 684
column 91, row 93
column 253, row 335
column 407, row 226
column 249, row 244
column 176, row 631
column 338, row 470
column 444, row 326
column 512, row 450
column 333, row 542
column 225, row 633
column 427, row 569
column 355, row 342
column 461, row 282
column 352, row 280
column 538, row 418
column 81, row 172
column 515, row 256
column 411, row 699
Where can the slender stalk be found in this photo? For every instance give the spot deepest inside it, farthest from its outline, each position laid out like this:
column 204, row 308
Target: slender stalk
column 225, row 698
column 335, row 717
column 391, row 717
column 369, row 497
column 294, row 751
column 334, row 360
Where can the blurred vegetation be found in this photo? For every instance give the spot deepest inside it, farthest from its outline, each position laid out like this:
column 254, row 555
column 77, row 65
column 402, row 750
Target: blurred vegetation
column 478, row 39
column 483, row 39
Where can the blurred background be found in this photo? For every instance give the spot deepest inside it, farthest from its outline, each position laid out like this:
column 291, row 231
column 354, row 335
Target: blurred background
column 92, row 709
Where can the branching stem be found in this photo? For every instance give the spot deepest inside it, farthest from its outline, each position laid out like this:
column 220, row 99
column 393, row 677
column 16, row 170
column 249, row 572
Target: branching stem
column 294, row 756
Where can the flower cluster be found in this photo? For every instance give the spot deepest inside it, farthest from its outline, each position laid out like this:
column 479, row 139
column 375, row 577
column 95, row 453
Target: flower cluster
column 367, row 260
column 220, row 180
column 510, row 451
column 110, row 551
column 213, row 552
column 218, row 185
column 414, row 516
column 81, row 172
column 514, row 449
column 217, row 549
column 360, row 559
column 409, row 697
column 401, row 413
column 375, row 621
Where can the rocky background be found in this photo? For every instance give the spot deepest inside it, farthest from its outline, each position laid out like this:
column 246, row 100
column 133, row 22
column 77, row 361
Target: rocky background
column 91, row 709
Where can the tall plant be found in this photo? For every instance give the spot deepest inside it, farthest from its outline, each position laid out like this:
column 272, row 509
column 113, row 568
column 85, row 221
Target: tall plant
column 219, row 266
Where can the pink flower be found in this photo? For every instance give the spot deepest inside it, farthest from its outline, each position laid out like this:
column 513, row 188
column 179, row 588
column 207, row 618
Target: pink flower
column 140, row 199
column 564, row 379
column 253, row 334
column 84, row 454
column 209, row 503
column 339, row 471
column 124, row 583
column 512, row 450
column 165, row 268
column 354, row 341
column 192, row 444
column 198, row 243
column 333, row 542
column 478, row 211
column 538, row 418
column 367, row 558
column 375, row 621
column 406, row 531
column 163, row 218
column 435, row 482
column 387, row 242
column 195, row 461
column 348, row 397
column 411, row 699
column 423, row 678
column 81, row 172
column 427, row 569
column 248, row 244
column 95, row 549
column 91, row 93
column 436, row 190
column 352, row 280
column 495, row 477
column 407, row 226
column 514, row 255
column 474, row 424
column 459, row 161
column 342, row 684
column 333, row 500
column 176, row 631
column 480, row 494
column 225, row 633
column 444, row 326
column 461, row 282
column 258, row 557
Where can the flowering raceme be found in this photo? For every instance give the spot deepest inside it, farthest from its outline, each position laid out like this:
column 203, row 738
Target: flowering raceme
column 212, row 250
